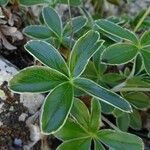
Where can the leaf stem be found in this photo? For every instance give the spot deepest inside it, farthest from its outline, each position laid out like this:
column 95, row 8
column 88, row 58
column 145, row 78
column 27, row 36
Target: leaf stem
column 142, row 19
column 71, row 24
column 119, row 87
column 110, row 124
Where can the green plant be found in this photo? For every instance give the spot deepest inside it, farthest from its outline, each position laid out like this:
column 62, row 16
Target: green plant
column 83, row 70
column 63, row 79
column 83, row 127
column 130, row 49
column 53, row 31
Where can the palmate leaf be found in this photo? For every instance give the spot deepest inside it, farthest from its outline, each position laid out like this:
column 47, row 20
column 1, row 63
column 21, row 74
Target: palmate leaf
column 119, row 53
column 52, row 20
column 76, row 144
column 56, row 108
column 102, row 94
column 84, row 123
column 47, row 54
column 38, row 32
column 116, row 30
column 36, row 79
column 120, row 140
column 81, row 113
column 82, row 51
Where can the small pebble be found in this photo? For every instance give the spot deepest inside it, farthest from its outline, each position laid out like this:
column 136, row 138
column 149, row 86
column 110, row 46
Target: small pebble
column 22, row 117
column 1, row 123
column 17, row 142
column 11, row 108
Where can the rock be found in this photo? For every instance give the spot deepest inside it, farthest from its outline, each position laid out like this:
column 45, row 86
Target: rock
column 2, row 95
column 1, row 123
column 1, row 107
column 18, row 142
column 32, row 101
column 22, row 117
column 7, row 70
column 11, row 108
column 137, row 5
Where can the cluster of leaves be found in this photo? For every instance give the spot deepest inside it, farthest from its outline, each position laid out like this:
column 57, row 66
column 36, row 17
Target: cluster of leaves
column 83, row 69
column 78, row 133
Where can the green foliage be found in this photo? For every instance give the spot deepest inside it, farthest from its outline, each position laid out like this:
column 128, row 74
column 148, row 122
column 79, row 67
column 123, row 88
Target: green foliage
column 3, row 2
column 116, row 30
column 38, row 32
column 129, row 49
column 119, row 140
column 57, row 105
column 48, row 55
column 53, row 21
column 89, row 130
column 119, row 53
column 103, row 94
column 99, row 59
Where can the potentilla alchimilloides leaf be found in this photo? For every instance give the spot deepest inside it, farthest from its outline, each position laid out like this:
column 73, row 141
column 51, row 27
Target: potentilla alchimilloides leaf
column 119, row 54
column 102, row 94
column 53, row 20
column 80, row 113
column 38, row 32
column 71, row 130
column 120, row 140
column 145, row 39
column 56, row 108
column 47, row 54
column 82, row 51
column 36, row 79
column 74, row 25
column 95, row 117
column 116, row 30
column 76, row 144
